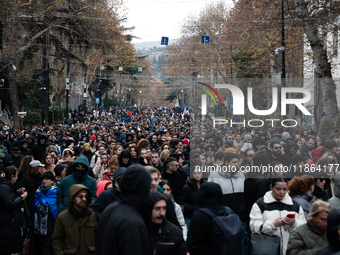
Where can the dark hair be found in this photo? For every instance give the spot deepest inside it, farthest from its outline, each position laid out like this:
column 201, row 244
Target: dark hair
column 260, row 158
column 324, row 150
column 169, row 160
column 76, row 151
column 44, row 157
column 166, row 182
column 330, row 144
column 275, row 180
column 8, row 172
column 274, row 142
column 219, row 155
column 230, row 156
column 58, row 169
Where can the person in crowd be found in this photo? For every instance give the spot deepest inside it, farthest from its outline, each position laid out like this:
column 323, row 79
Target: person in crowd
column 38, row 151
column 117, row 150
column 14, row 159
column 275, row 153
column 43, row 214
column 134, row 155
column 167, row 189
column 59, row 171
column 75, row 230
column 200, row 239
column 109, row 196
column 11, row 142
column 335, row 200
column 66, row 157
column 189, row 197
column 276, row 213
column 11, row 202
column 113, row 166
column 308, row 238
column 125, row 159
column 101, row 167
column 164, row 237
column 96, row 157
column 156, row 161
column 80, row 169
column 23, row 146
column 301, row 191
column 164, row 155
column 333, row 234
column 171, row 174
column 87, row 152
column 31, row 182
column 103, row 185
column 121, row 228
column 48, row 162
column 306, row 148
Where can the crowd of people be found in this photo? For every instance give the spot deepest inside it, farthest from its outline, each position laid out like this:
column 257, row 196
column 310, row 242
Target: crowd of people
column 156, row 184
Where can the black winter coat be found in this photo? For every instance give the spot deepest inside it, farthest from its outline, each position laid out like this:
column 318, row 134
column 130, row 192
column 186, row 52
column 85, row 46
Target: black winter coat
column 106, row 198
column 88, row 155
column 38, row 151
column 30, row 183
column 166, row 238
column 189, row 199
column 254, row 189
column 10, row 218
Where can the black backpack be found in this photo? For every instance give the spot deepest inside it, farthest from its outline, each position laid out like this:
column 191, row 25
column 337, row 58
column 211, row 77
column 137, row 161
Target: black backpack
column 226, row 231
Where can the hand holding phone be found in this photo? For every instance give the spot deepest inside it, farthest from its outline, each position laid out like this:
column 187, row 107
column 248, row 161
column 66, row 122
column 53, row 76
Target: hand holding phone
column 291, row 215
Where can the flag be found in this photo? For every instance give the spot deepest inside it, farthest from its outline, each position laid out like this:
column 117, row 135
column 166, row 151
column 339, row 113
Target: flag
column 152, row 119
column 152, row 127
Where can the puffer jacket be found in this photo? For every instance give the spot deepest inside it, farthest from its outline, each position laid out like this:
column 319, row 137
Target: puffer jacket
column 335, row 200
column 306, row 240
column 68, row 181
column 10, row 218
column 74, row 236
column 305, row 201
column 267, row 209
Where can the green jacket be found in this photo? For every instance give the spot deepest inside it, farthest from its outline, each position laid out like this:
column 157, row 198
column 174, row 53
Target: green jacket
column 68, row 181
column 72, row 235
column 306, row 240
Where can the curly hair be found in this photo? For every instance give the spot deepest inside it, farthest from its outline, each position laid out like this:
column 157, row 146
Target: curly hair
column 143, row 143
column 300, row 185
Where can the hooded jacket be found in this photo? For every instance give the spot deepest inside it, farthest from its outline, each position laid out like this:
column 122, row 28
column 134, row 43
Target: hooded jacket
column 316, row 155
column 333, row 223
column 72, row 235
column 38, row 151
column 124, row 154
column 164, row 238
column 11, row 142
column 65, row 160
column 267, row 209
column 290, row 144
column 68, row 181
column 121, row 228
column 305, row 201
column 10, row 218
column 335, row 200
column 109, row 196
column 200, row 239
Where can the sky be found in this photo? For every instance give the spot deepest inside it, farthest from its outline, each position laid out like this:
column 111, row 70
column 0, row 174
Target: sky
column 153, row 19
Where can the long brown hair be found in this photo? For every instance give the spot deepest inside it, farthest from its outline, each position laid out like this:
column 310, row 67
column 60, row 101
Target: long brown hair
column 25, row 164
column 300, row 185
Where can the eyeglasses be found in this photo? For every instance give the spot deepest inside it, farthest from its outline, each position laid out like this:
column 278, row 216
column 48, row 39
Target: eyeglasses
column 322, row 179
column 277, row 148
column 82, row 196
column 250, row 155
column 174, row 165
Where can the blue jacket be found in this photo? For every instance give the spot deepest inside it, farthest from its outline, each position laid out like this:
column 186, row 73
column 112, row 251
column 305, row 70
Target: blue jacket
column 68, row 181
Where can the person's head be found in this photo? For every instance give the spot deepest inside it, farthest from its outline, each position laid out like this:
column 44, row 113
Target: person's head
column 16, row 152
column 196, row 175
column 326, row 165
column 154, row 138
column 319, row 213
column 143, row 153
column 47, row 159
column 148, row 153
column 35, row 167
column 331, row 145
column 101, row 149
column 80, row 167
column 10, row 174
column 279, row 187
column 60, row 171
column 156, row 208
column 87, row 148
column 42, row 139
column 24, row 165
column 67, row 153
column 229, row 139
column 133, row 151
column 218, row 157
column 80, row 197
column 104, row 158
column 113, row 164
column 232, row 159
column 248, row 155
column 165, row 146
column 276, row 168
column 310, row 142
column 167, row 187
column 47, row 179
column 275, row 148
column 164, row 155
column 155, row 176
column 203, row 159
column 155, row 159
column 301, row 185
column 320, row 181
column 170, row 164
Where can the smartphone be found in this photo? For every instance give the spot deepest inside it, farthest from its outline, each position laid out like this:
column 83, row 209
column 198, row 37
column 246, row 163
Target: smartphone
column 291, row 215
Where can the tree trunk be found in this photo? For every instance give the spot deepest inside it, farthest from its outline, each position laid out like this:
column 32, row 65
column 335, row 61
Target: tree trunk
column 322, row 65
column 13, row 94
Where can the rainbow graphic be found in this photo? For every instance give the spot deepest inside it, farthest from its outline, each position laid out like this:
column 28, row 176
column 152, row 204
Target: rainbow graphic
column 209, row 93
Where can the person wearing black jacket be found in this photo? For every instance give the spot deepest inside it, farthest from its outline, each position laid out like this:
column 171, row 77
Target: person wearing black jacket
column 164, row 237
column 11, row 142
column 200, row 239
column 108, row 196
column 10, row 212
column 38, row 151
column 121, row 228
column 24, row 150
column 125, row 159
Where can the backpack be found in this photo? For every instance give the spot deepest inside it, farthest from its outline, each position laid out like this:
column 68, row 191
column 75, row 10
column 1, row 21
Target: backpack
column 226, row 232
